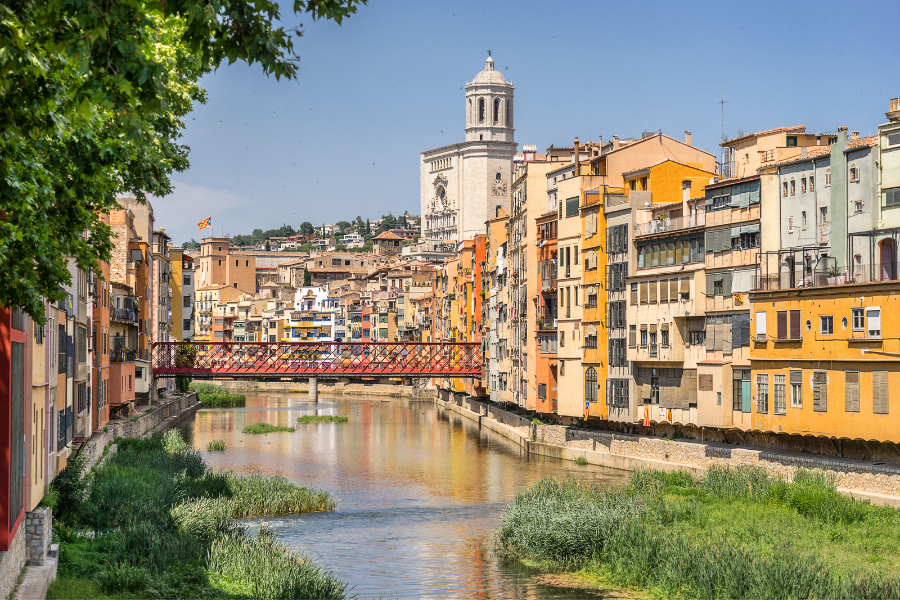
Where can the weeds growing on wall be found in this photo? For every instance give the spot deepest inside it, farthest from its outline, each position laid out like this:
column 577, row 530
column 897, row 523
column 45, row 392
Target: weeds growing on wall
column 153, row 516
column 737, row 533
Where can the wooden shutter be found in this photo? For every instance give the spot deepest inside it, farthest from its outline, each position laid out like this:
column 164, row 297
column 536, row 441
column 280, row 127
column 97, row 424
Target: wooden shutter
column 820, row 391
column 685, row 285
column 663, row 291
column 782, row 324
column 880, row 392
column 851, row 391
column 634, row 295
column 653, row 287
column 795, row 324
column 644, row 292
column 632, row 337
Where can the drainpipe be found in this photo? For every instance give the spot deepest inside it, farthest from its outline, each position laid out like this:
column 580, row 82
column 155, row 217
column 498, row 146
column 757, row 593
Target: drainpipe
column 577, row 159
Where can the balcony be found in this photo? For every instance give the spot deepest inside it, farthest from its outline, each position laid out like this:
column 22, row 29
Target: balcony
column 658, row 226
column 124, row 315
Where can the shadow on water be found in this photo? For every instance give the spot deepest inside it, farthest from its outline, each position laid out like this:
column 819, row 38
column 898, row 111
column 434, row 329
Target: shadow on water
column 419, row 492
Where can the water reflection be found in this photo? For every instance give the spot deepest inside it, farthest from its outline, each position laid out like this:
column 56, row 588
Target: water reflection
column 419, row 491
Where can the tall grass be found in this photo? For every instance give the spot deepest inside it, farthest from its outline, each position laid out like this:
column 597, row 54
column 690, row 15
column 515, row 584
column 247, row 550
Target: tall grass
column 306, row 419
column 220, row 400
column 215, row 446
column 202, row 387
column 155, row 511
column 735, row 533
column 260, row 428
column 269, row 570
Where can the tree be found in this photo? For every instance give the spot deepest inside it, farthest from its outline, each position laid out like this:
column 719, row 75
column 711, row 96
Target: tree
column 342, row 226
column 307, row 277
column 94, row 100
column 306, row 228
column 368, row 227
column 402, row 221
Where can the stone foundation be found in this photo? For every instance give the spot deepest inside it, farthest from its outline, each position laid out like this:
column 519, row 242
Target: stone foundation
column 38, row 532
column 11, row 563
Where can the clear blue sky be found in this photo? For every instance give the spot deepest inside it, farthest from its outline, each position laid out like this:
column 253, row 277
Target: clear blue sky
column 344, row 139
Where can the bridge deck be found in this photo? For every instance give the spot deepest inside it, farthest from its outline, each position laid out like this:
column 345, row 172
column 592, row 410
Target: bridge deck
column 252, row 359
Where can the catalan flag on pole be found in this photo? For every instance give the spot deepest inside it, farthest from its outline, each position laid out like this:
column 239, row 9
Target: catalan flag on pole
column 207, row 222
column 738, row 297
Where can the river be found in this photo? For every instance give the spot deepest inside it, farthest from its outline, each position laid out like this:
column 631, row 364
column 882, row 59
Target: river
column 419, row 491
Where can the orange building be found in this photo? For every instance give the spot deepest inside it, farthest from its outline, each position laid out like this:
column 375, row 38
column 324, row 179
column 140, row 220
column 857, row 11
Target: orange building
column 546, row 372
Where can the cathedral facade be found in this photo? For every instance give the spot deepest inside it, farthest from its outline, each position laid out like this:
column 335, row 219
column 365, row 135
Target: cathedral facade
column 465, row 184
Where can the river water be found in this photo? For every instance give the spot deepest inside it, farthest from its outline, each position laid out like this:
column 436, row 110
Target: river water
column 419, row 491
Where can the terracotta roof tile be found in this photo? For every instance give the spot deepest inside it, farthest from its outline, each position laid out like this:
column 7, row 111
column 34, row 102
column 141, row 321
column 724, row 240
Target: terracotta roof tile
column 812, row 152
column 866, row 141
column 387, row 235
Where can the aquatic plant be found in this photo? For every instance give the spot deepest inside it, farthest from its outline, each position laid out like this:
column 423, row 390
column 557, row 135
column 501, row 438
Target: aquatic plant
column 260, row 428
column 202, row 387
column 215, row 446
column 305, row 419
column 221, row 400
column 580, row 461
column 174, row 443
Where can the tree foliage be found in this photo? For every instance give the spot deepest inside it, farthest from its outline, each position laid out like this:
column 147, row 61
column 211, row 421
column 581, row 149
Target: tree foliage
column 94, row 96
column 259, row 236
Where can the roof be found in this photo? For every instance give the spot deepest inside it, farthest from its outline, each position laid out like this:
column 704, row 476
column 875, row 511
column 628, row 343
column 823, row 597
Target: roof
column 659, row 162
column 489, row 75
column 811, row 152
column 859, row 142
column 387, row 235
column 766, row 132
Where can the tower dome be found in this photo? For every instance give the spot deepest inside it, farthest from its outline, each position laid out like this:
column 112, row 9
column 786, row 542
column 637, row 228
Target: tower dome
column 489, row 76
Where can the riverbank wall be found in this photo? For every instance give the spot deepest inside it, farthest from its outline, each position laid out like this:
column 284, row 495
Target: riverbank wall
column 337, row 388
column 878, row 483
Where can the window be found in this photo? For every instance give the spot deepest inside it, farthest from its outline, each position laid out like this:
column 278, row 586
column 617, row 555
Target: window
column 787, row 325
column 796, row 389
column 892, row 197
column 632, row 335
column 542, row 391
column 760, row 325
column 793, row 187
column 633, row 184
column 481, row 110
column 784, row 189
column 664, row 335
column 820, row 391
column 643, row 335
column 893, row 139
column 187, row 280
column 496, row 111
column 859, row 322
column 571, row 207
column 812, row 183
column 186, row 302
column 590, row 385
column 826, row 323
column 803, row 219
column 697, row 338
column 791, row 141
column 634, row 294
column 880, row 392
column 828, row 177
column 643, row 183
column 779, row 394
column 803, row 185
column 857, row 206
column 854, row 173
column 187, row 324
column 762, row 393
column 873, row 318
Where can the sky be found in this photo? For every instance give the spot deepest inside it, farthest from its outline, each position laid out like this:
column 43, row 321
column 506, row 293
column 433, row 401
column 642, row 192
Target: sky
column 344, row 138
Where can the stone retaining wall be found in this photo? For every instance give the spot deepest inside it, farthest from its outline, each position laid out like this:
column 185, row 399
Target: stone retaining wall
column 11, row 563
column 38, row 528
column 852, row 476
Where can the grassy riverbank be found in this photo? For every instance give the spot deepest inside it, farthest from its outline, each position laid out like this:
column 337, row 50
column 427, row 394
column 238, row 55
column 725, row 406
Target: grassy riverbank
column 738, row 533
column 154, row 521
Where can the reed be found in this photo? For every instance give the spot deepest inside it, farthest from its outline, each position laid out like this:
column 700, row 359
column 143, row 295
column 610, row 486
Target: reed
column 736, row 533
column 215, row 446
column 261, row 428
column 580, row 461
column 202, row 387
column 155, row 511
column 220, row 400
column 306, row 419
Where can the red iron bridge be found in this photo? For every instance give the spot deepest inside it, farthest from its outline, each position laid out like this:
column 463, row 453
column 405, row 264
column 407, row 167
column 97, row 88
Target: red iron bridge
column 312, row 359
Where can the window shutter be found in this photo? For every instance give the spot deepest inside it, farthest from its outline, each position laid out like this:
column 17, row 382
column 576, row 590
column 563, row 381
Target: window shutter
column 880, row 392
column 761, row 324
column 710, row 281
column 663, row 291
column 644, row 292
column 726, row 283
column 728, row 334
column 685, row 286
column 632, row 337
column 851, row 391
column 781, row 327
column 795, row 324
column 820, row 392
column 634, row 295
column 653, row 286
column 874, row 319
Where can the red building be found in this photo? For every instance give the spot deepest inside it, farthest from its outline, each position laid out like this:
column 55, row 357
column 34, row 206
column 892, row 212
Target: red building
column 15, row 395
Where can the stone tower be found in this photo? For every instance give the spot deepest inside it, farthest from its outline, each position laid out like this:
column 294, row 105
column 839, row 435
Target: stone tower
column 464, row 184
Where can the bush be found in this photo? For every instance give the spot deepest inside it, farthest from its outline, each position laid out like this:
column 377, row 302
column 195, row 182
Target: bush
column 215, row 446
column 260, row 428
column 70, row 489
column 217, row 400
column 321, row 419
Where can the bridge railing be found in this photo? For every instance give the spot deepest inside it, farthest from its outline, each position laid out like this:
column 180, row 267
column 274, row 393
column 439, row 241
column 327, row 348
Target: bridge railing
column 211, row 359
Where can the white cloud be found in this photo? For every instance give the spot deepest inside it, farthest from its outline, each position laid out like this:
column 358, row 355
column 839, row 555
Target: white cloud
column 188, row 204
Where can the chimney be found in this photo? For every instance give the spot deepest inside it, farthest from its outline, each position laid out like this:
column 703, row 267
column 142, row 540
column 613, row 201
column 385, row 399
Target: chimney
column 818, row 139
column 687, row 138
column 854, row 135
column 577, row 159
column 615, row 142
column 803, row 152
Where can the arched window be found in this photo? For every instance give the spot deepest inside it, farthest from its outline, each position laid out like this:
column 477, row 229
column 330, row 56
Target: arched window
column 496, row 111
column 498, row 177
column 828, row 177
column 793, row 186
column 481, row 110
column 784, row 189
column 812, row 183
column 854, row 173
column 469, row 113
column 508, row 114
column 590, row 385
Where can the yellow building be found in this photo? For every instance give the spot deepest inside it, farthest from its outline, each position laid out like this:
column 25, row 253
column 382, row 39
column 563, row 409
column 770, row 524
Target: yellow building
column 824, row 360
column 205, row 301
column 668, row 179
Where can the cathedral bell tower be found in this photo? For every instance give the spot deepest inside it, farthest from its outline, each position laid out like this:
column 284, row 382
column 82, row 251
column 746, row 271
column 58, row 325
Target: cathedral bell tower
column 489, row 106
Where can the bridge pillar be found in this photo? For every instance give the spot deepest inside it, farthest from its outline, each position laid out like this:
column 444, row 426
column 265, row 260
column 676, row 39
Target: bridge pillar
column 314, row 389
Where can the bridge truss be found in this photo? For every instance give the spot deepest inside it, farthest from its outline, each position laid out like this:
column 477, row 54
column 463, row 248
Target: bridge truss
column 284, row 359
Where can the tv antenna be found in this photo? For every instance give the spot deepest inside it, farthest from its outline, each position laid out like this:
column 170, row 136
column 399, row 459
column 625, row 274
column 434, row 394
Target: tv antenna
column 723, row 102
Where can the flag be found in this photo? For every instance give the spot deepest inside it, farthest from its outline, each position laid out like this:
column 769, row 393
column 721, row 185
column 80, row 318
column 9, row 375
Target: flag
column 738, row 297
column 207, row 222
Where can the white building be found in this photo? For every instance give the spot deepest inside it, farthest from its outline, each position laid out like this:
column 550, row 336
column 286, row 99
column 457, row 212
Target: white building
column 463, row 185
column 315, row 311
